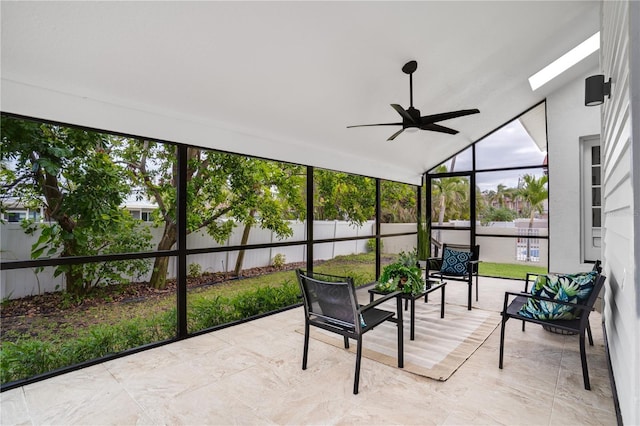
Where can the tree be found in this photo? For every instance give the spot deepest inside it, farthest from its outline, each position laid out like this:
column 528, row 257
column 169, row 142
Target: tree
column 451, row 194
column 71, row 174
column 343, row 196
column 533, row 192
column 397, row 202
column 222, row 190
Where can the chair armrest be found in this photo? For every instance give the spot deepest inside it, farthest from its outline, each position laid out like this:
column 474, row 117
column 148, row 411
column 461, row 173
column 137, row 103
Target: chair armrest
column 434, row 263
column 379, row 301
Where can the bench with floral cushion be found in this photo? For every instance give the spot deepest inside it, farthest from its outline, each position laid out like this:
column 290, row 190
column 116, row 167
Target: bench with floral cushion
column 559, row 301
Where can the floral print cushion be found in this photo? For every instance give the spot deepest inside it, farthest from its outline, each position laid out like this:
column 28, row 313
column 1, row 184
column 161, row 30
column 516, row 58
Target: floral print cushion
column 574, row 288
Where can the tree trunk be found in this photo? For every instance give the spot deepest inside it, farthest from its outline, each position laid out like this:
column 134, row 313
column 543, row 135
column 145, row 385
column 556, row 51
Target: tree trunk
column 161, row 264
column 243, row 242
column 529, row 236
column 73, row 276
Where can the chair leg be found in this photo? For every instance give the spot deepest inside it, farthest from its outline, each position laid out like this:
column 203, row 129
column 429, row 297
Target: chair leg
column 306, row 346
column 583, row 359
column 503, row 322
column 346, row 342
column 476, row 288
column 356, row 380
column 589, row 334
column 470, row 293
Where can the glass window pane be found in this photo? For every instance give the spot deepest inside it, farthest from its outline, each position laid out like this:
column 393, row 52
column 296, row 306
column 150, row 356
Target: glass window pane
column 595, row 155
column 595, row 175
column 360, row 266
column 596, row 199
column 460, row 162
column 596, row 217
column 521, row 142
column 108, row 320
column 507, row 257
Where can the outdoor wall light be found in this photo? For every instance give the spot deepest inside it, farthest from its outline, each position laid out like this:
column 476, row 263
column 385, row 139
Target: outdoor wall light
column 594, row 90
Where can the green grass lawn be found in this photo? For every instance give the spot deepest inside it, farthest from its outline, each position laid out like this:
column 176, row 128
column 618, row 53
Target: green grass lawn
column 509, row 270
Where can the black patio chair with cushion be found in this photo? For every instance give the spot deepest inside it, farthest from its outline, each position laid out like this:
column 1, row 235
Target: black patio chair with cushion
column 458, row 263
column 561, row 302
column 330, row 303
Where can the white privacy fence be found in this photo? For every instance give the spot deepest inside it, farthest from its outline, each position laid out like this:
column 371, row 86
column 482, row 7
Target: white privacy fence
column 16, row 245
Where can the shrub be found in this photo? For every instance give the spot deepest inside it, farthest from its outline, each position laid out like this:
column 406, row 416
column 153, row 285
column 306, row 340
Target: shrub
column 279, row 261
column 195, row 270
column 371, row 245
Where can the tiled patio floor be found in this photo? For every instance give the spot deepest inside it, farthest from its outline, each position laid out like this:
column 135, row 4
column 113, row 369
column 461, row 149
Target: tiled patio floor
column 251, row 374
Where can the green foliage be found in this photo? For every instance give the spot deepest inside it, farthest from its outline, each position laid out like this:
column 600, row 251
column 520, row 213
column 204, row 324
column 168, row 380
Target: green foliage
column 402, row 275
column 408, row 258
column 343, row 196
column 371, row 245
column 279, row 260
column 500, row 214
column 194, row 270
column 29, row 357
column 424, row 241
column 534, row 192
column 450, row 197
column 397, row 202
column 223, row 190
column 71, row 174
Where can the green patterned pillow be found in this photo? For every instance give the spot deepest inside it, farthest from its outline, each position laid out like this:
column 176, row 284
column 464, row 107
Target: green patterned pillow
column 574, row 288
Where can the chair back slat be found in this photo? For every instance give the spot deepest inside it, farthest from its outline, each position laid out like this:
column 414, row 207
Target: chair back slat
column 330, row 298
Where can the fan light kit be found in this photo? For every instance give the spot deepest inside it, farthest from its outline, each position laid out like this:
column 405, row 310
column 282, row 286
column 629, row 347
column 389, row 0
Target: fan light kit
column 411, row 118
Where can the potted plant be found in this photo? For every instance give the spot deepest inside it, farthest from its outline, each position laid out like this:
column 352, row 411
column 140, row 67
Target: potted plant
column 424, row 245
column 402, row 275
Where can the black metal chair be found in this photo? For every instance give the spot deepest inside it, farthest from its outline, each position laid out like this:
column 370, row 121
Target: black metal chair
column 330, row 303
column 579, row 325
column 467, row 271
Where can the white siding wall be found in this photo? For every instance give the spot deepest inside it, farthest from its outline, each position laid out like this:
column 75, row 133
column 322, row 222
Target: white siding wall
column 620, row 60
column 567, row 121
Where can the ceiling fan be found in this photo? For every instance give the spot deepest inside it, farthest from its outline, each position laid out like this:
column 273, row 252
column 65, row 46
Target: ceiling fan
column 411, row 117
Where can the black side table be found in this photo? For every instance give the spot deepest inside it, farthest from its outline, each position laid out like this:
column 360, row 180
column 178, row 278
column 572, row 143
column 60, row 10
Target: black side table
column 408, row 297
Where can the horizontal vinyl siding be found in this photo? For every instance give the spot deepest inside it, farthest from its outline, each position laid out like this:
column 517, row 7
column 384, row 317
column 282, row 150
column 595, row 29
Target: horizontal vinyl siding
column 621, row 314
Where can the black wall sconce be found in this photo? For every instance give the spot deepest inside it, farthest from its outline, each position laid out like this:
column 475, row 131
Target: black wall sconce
column 594, row 90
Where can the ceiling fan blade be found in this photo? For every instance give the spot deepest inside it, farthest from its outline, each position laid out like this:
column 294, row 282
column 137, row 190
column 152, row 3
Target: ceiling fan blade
column 438, row 128
column 428, row 119
column 381, row 124
column 403, row 113
column 393, row 136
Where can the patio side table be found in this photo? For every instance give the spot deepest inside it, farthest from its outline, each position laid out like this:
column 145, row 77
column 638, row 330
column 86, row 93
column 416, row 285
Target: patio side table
column 408, row 297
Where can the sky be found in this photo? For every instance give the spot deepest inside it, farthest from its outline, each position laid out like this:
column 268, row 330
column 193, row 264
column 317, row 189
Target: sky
column 511, row 146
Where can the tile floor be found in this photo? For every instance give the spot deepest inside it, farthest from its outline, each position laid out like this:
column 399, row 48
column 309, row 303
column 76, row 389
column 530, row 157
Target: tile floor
column 251, row 374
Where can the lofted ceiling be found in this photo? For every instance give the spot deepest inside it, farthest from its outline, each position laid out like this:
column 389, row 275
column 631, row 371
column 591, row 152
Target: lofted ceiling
column 282, row 80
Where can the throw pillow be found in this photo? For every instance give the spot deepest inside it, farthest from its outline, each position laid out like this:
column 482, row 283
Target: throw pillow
column 574, row 288
column 455, row 262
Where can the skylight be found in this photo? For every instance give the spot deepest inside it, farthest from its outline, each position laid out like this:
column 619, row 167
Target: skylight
column 565, row 62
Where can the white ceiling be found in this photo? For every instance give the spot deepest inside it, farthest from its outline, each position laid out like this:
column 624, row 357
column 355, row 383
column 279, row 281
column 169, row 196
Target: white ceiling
column 282, row 80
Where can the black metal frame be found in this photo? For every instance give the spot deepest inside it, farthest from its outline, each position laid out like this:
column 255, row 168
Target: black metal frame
column 181, row 252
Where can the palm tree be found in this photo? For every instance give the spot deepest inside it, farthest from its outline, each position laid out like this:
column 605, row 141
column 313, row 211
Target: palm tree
column 534, row 192
column 451, row 194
